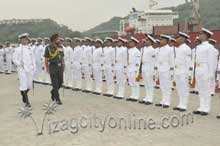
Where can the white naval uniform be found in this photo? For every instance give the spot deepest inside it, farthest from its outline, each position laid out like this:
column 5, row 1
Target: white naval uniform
column 24, row 59
column 87, row 65
column 77, row 60
column 134, row 60
column 109, row 62
column 9, row 52
column 215, row 63
column 148, row 72
column 68, row 53
column 39, row 56
column 204, row 72
column 165, row 61
column 2, row 68
column 181, row 69
column 121, row 69
column 97, row 68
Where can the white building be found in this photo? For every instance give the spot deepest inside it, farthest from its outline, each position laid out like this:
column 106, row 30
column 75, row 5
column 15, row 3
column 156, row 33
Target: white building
column 143, row 22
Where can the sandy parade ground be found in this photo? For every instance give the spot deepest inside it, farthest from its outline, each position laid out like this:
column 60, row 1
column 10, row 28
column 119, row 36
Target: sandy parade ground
column 90, row 120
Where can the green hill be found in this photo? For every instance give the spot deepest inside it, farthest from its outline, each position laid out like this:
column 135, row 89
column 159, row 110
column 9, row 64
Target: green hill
column 44, row 28
column 209, row 9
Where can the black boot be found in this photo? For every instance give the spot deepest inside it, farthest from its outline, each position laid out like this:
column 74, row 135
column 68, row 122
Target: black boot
column 27, row 100
column 52, row 95
column 23, row 97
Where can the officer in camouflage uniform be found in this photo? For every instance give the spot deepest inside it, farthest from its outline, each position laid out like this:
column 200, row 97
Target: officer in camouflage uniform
column 54, row 63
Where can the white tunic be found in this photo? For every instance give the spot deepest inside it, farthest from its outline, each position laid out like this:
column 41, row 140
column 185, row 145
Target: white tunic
column 148, row 60
column 121, row 58
column 134, row 57
column 182, row 59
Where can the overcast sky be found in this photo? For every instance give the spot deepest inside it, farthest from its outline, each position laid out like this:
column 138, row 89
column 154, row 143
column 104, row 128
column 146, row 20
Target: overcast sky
column 77, row 14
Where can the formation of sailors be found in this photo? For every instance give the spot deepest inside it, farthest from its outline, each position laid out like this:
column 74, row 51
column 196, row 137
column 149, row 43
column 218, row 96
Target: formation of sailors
column 160, row 62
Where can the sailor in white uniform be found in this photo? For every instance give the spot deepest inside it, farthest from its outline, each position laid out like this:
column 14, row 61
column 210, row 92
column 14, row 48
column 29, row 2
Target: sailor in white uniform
column 87, row 64
column 215, row 61
column 182, row 65
column 24, row 59
column 97, row 65
column 8, row 53
column 165, row 62
column 121, row 67
column 204, row 72
column 109, row 62
column 134, row 61
column 68, row 53
column 39, row 56
column 148, row 66
column 77, row 60
column 2, row 66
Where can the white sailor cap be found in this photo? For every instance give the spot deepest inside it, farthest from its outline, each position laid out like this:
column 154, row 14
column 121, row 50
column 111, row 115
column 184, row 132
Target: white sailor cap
column 33, row 39
column 157, row 41
column 77, row 39
column 122, row 40
column 39, row 39
column 213, row 41
column 184, row 35
column 197, row 39
column 99, row 40
column 68, row 39
column 109, row 39
column 46, row 38
column 151, row 38
column 206, row 31
column 189, row 41
column 134, row 39
column 172, row 39
column 24, row 35
column 87, row 39
column 167, row 37
column 115, row 40
column 61, row 39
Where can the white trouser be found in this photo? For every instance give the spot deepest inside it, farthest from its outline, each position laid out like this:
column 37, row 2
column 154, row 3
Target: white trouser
column 109, row 76
column 212, row 86
column 38, row 72
column 77, row 75
column 68, row 75
column 134, row 85
column 182, row 87
column 87, row 71
column 1, row 64
column 165, row 85
column 203, row 85
column 97, row 72
column 121, row 81
column 149, row 86
column 9, row 64
column 25, row 79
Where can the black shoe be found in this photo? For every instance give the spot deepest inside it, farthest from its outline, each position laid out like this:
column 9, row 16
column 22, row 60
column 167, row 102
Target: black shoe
column 59, row 103
column 116, row 97
column 196, row 92
column 204, row 114
column 218, row 117
column 192, row 92
column 132, row 100
column 182, row 110
column 166, row 106
column 176, row 109
column 196, row 112
column 76, row 89
column 85, row 91
column 28, row 105
column 212, row 95
column 158, row 105
column 148, row 103
column 141, row 102
column 107, row 95
column 96, row 93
